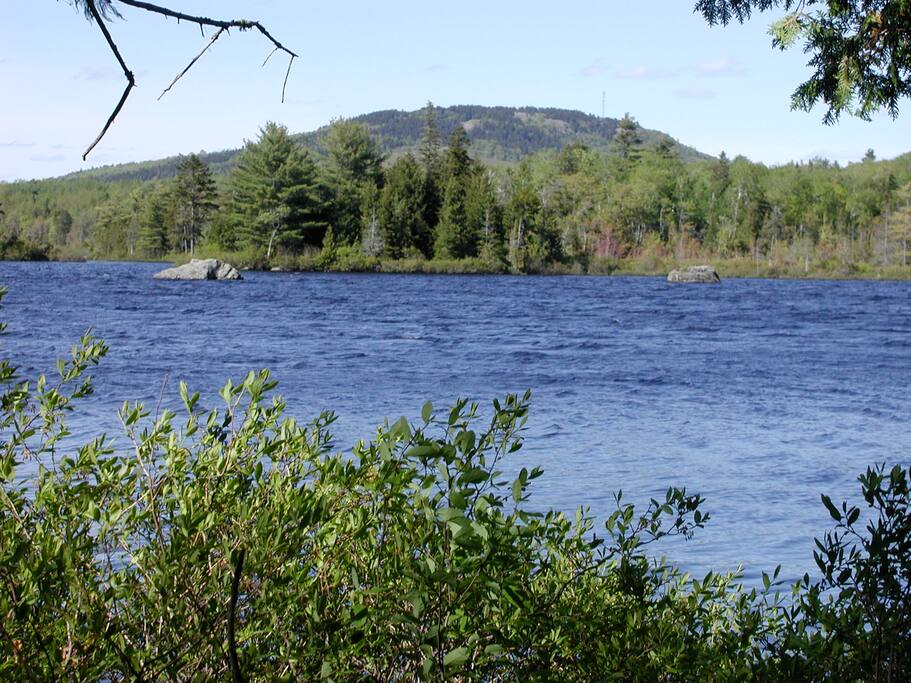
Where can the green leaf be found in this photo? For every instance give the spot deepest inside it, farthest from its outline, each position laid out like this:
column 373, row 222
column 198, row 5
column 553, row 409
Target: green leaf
column 427, row 411
column 455, row 658
column 833, row 511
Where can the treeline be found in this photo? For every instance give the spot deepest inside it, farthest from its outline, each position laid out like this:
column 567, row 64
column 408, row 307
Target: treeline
column 346, row 206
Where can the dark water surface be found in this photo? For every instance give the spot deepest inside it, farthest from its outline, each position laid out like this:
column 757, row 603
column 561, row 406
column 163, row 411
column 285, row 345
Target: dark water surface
column 759, row 394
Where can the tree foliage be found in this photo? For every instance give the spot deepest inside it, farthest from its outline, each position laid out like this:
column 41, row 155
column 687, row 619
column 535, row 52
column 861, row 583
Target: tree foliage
column 860, row 51
column 275, row 196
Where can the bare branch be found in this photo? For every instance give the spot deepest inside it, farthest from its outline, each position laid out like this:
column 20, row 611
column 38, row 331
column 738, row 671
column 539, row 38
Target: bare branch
column 222, row 26
column 215, row 37
column 242, row 24
column 131, row 81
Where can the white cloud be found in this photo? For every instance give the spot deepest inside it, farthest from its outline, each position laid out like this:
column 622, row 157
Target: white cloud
column 725, row 67
column 596, row 68
column 644, row 73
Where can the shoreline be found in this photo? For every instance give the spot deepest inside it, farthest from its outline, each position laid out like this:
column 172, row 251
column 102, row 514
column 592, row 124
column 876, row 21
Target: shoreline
column 630, row 267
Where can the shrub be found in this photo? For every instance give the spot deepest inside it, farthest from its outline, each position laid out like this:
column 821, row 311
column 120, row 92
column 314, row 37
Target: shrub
column 234, row 542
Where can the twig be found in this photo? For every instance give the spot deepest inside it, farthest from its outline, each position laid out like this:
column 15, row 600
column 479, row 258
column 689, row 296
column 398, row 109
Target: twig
column 232, row 642
column 221, row 25
column 164, row 383
column 215, row 37
column 131, row 81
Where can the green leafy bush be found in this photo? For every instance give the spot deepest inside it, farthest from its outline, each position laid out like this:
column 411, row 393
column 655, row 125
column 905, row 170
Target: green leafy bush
column 234, row 542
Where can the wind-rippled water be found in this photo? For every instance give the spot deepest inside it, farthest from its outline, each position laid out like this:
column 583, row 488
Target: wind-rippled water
column 759, row 394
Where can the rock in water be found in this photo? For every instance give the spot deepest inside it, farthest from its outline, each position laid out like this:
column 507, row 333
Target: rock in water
column 200, row 269
column 698, row 274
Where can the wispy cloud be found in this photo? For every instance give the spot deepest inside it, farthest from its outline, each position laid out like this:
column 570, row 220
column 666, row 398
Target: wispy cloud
column 694, row 94
column 47, row 158
column 438, row 67
column 596, row 68
column 16, row 143
column 645, row 73
column 725, row 67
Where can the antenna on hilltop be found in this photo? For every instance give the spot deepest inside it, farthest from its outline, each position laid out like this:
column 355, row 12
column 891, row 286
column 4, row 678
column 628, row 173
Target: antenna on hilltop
column 603, row 100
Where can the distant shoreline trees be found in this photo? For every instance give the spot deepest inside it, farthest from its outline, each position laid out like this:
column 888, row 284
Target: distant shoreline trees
column 344, row 206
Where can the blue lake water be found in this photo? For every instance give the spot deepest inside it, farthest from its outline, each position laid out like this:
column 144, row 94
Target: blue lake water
column 759, row 394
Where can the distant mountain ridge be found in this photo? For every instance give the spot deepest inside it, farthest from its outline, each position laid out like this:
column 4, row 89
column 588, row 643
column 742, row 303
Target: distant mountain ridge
column 497, row 135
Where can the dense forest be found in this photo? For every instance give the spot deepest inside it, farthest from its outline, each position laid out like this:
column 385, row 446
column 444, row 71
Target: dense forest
column 339, row 200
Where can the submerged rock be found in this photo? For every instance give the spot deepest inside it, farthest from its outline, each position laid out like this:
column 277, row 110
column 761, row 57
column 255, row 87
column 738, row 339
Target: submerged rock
column 696, row 274
column 200, row 269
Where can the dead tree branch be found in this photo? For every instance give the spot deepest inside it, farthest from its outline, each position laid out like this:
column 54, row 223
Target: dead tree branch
column 220, row 24
column 131, row 80
column 215, row 37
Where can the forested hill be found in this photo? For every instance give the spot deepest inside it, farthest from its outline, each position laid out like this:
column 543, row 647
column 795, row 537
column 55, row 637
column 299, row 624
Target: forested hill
column 497, row 134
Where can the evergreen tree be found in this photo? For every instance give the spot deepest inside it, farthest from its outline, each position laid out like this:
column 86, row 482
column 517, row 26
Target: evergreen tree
column 454, row 238
column 430, row 159
column 275, row 195
column 627, row 140
column 194, row 197
column 353, row 170
column 483, row 217
column 401, row 209
column 157, row 214
column 457, row 163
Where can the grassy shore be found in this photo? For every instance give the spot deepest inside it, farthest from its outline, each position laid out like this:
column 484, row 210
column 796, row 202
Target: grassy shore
column 350, row 261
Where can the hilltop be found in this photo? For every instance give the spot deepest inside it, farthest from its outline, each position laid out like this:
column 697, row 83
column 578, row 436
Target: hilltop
column 497, row 135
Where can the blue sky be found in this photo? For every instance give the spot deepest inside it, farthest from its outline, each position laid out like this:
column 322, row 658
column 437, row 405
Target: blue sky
column 712, row 88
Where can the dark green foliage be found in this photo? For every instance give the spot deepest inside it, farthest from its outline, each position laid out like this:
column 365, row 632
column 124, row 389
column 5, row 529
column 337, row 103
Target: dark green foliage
column 156, row 219
column 353, row 172
column 558, row 210
column 275, row 197
column 401, row 210
column 627, row 141
column 860, row 51
column 194, row 202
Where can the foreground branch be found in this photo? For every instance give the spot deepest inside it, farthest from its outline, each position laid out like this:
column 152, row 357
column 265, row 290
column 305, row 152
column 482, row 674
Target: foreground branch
column 202, row 22
column 131, row 81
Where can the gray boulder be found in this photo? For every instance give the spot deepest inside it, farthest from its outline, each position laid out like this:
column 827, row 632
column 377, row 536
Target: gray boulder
column 200, row 269
column 695, row 274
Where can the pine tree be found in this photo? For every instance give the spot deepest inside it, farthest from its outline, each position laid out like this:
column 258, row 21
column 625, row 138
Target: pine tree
column 457, row 163
column 156, row 216
column 353, row 169
column 401, row 209
column 275, row 194
column 194, row 196
column 430, row 159
column 627, row 139
column 483, row 217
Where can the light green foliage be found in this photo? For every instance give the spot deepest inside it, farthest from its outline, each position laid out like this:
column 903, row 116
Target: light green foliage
column 570, row 210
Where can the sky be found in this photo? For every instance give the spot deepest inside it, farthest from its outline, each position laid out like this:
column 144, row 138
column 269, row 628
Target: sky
column 721, row 88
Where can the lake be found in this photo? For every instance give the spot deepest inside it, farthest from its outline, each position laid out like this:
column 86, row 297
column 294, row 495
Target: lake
column 758, row 394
